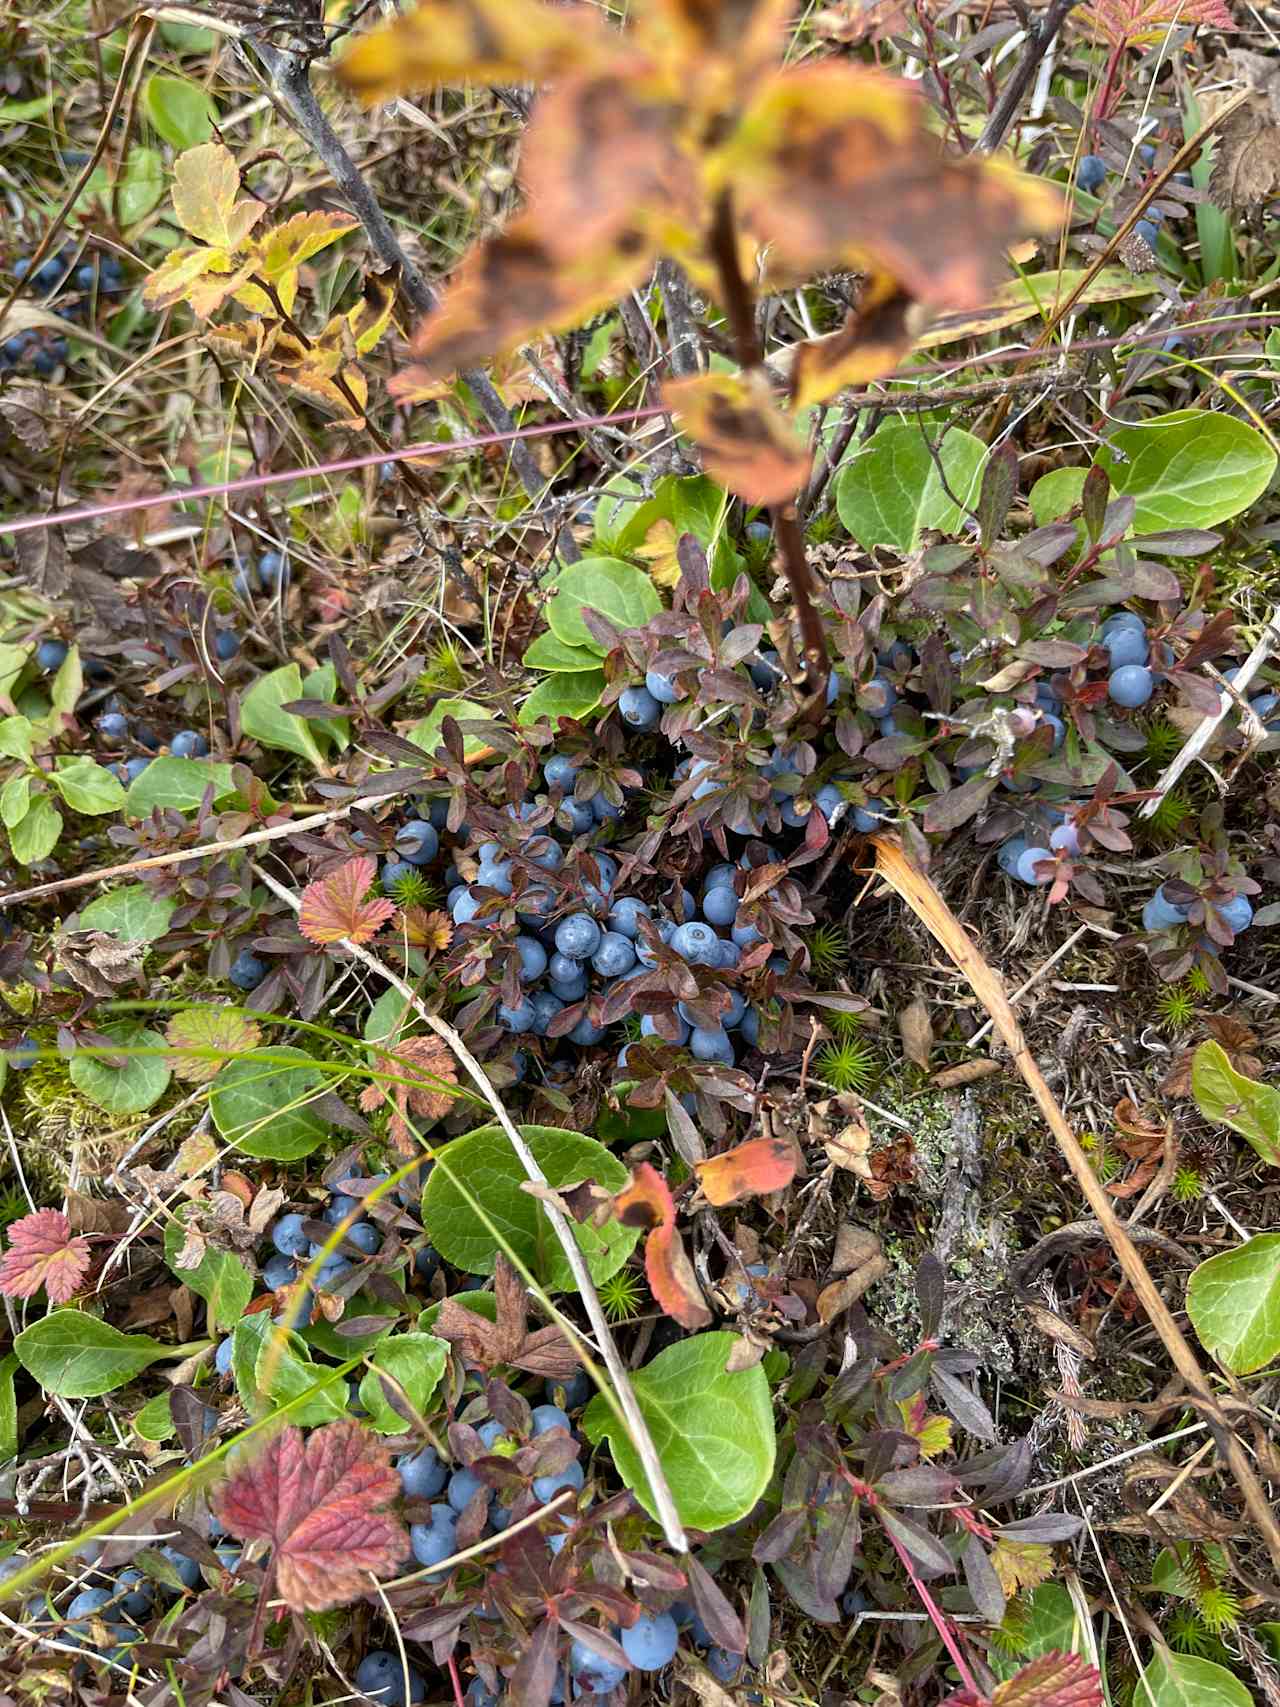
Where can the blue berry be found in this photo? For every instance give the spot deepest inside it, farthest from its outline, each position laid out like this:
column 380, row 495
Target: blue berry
column 24, row 1054
column 720, row 906
column 563, row 967
column 615, row 955
column 463, row 1486
column 662, row 688
column 575, row 1392
column 188, row 744
column 546, row 1417
column 560, row 771
column 603, row 809
column 533, row 958
column 1028, row 859
column 697, row 943
column 139, row 1599
column 651, row 1641
column 586, row 1035
column 578, row 812
column 1091, row 172
column 417, row 842
column 51, row 654
column 288, row 1237
column 728, row 954
column 339, row 1207
column 578, row 936
column 1161, row 914
column 1237, row 912
column 187, row 1569
column 1148, row 231
column 381, row 1676
column 491, row 1433
column 1131, row 686
column 519, row 1018
column 113, row 726
column 1123, row 619
column 297, row 1313
column 225, row 645
column 422, row 1475
column 649, row 1029
column 89, row 1601
column 426, row 1262
column 546, row 1004
column 595, row 1674
column 332, row 1270
column 723, row 1665
column 639, row 708
column 365, row 1237
column 711, row 1044
column 1065, row 838
column 222, row 1357
column 623, row 916
column 396, row 870
column 432, row 1543
column 746, row 935
column 270, row 570
column 278, row 1271
column 732, row 1016
column 547, row 1487
column 247, row 971
column 464, row 904
column 1127, row 644
column 544, row 853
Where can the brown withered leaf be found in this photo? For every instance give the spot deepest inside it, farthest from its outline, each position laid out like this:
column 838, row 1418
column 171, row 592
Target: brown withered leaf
column 862, row 1262
column 419, row 1064
column 473, row 41
column 601, row 155
column 852, row 21
column 319, row 1504
column 41, row 557
column 425, row 928
column 748, row 444
column 1246, row 171
column 872, row 341
column 916, row 1030
column 98, row 962
column 27, row 410
column 1237, row 1040
column 509, row 288
column 506, row 1340
column 703, row 35
column 834, row 166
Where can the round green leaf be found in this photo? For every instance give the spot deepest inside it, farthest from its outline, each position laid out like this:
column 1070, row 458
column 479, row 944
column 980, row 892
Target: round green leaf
column 155, row 1420
column 617, row 590
column 888, row 493
column 262, row 718
column 36, row 835
column 1182, row 1680
column 548, row 652
column 484, row 1165
column 427, row 734
column 133, row 914
column 179, row 109
column 568, row 694
column 1233, row 1301
column 179, row 783
column 1189, row 468
column 713, row 1431
column 141, row 1081
column 264, row 1107
column 415, row 1362
column 220, row 1278
column 78, row 1357
column 1055, row 493
column 87, row 787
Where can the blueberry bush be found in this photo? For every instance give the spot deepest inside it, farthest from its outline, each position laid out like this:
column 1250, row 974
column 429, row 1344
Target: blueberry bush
column 509, row 513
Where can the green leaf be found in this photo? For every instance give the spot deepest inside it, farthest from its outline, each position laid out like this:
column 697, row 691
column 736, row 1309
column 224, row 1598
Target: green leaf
column 15, row 797
column 155, row 1420
column 1055, row 493
column 321, row 1335
column 78, row 1357
column 133, row 914
column 484, row 1163
column 16, row 737
column 176, row 783
column 221, row 1279
column 617, row 590
column 416, row 1362
column 262, row 718
column 271, row 1366
column 264, row 1107
column 8, row 1409
column 570, row 694
column 548, row 652
column 888, row 493
column 386, row 1017
column 35, row 836
column 18, row 112
column 623, row 514
column 87, row 787
column 698, row 506
column 141, row 1081
column 68, row 685
column 139, row 189
column 713, row 1431
column 427, row 733
column 1233, row 1301
column 1189, row 468
column 1170, row 1574
column 1246, row 1106
column 1047, row 1622
column 179, row 109
column 1182, row 1680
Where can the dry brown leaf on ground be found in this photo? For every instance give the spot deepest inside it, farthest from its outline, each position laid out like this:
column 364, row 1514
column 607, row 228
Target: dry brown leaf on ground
column 422, row 1067
column 506, row 1340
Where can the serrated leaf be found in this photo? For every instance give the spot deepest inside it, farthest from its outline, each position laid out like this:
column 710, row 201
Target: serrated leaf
column 320, row 1506
column 1053, row 1680
column 43, row 1251
column 35, row 835
column 206, row 185
column 226, row 1031
column 1233, row 1301
column 339, row 906
column 87, row 787
column 273, row 1367
column 170, row 281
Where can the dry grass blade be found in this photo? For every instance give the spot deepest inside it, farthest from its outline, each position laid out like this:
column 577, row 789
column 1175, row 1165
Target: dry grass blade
column 929, row 907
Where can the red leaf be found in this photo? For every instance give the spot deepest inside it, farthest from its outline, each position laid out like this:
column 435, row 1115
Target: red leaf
column 758, row 1166
column 318, row 1506
column 335, row 907
column 43, row 1252
column 1053, row 1680
column 1132, row 22
column 647, row 1202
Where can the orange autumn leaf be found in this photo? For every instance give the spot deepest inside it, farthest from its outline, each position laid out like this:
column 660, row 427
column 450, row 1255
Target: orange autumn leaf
column 747, row 443
column 421, row 1070
column 748, row 1170
column 870, row 344
column 339, row 907
column 647, row 1202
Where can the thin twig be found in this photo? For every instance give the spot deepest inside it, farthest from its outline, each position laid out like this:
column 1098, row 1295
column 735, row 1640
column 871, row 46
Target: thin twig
column 685, row 353
column 641, row 1439
column 1040, row 36
column 291, row 79
column 1036, row 976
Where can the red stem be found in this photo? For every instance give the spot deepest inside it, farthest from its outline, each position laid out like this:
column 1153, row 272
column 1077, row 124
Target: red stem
column 936, row 1614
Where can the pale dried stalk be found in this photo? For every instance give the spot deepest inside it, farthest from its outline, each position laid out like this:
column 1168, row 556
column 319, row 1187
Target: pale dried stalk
column 893, row 865
column 641, row 1439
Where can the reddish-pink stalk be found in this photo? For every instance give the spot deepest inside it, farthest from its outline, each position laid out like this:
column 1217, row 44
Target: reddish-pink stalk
column 344, row 465
column 936, row 1614
column 458, row 1698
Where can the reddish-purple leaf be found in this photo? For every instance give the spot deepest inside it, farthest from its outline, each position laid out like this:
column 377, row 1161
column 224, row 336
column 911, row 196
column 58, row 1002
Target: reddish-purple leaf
column 319, row 1505
column 43, row 1252
column 339, row 906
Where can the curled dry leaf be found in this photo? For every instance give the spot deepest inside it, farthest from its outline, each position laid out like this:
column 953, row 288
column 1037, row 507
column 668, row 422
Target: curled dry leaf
column 647, row 1202
column 747, row 443
column 338, row 907
column 319, row 1505
column 916, row 1029
column 43, row 1251
column 1052, row 1680
column 423, row 1069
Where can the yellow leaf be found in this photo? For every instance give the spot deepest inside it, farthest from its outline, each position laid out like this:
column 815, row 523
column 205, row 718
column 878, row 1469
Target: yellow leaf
column 209, row 293
column 173, row 278
column 1021, row 1564
column 316, row 383
column 206, row 181
column 726, row 44
column 658, row 549
column 871, row 343
column 473, row 41
column 747, row 443
column 369, row 319
column 285, row 247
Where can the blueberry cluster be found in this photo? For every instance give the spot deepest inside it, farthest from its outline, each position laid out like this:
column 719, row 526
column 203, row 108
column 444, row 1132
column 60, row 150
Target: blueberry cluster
column 44, row 352
column 115, row 728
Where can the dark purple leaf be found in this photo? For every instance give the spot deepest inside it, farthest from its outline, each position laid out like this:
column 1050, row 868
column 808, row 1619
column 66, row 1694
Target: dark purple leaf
column 1050, row 1526
column 928, row 1554
column 948, row 811
column 982, row 1581
column 713, row 1608
column 1179, row 542
column 999, row 488
column 930, row 1294
column 965, row 1406
column 837, row 1541
column 800, row 1588
column 534, row 1678
column 923, row 1484
column 758, row 1618
column 781, row 1535
column 1093, row 499
column 1153, row 581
